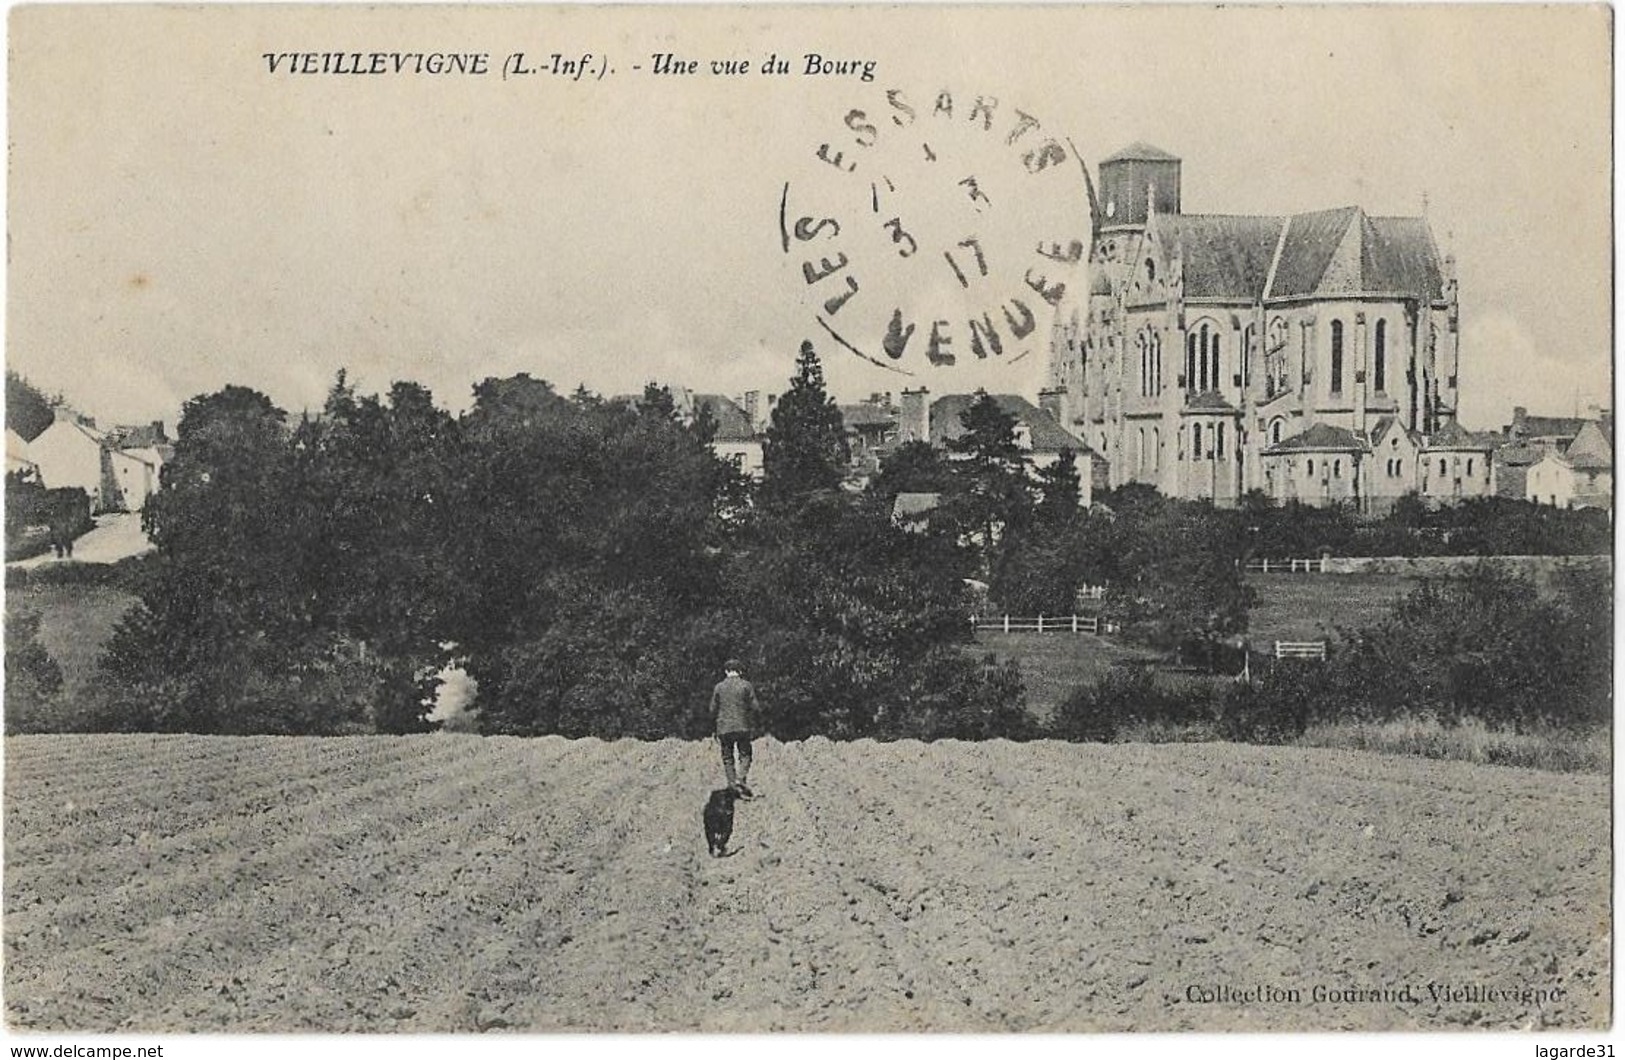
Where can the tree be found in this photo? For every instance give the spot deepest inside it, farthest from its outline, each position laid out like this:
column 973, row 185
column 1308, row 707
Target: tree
column 1060, row 491
column 1178, row 572
column 988, row 489
column 596, row 534
column 912, row 467
column 851, row 625
column 28, row 410
column 228, row 634
column 806, row 450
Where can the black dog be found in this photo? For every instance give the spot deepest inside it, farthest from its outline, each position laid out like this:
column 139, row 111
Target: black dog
column 719, row 821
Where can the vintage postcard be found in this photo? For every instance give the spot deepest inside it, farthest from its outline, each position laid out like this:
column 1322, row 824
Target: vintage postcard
column 731, row 518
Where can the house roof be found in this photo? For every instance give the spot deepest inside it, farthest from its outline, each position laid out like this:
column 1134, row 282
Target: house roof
column 1592, row 448
column 1379, row 426
column 732, row 423
column 1590, row 461
column 867, row 414
column 147, row 455
column 1224, row 256
column 1044, row 433
column 142, row 436
column 1550, row 426
column 1140, row 151
column 1454, row 436
column 1519, row 454
column 1320, row 436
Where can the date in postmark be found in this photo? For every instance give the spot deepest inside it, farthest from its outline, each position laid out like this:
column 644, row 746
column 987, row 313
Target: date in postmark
column 931, row 230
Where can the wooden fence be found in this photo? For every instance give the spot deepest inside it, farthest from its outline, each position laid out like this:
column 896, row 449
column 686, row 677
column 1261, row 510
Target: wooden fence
column 1042, row 624
column 1300, row 649
column 1287, row 566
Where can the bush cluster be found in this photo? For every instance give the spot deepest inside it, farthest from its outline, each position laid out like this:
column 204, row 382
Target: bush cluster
column 1487, row 650
column 591, row 563
column 1478, row 526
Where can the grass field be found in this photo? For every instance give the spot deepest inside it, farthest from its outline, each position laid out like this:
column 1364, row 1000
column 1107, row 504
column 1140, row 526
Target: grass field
column 75, row 622
column 1053, row 664
column 458, row 884
column 1320, row 606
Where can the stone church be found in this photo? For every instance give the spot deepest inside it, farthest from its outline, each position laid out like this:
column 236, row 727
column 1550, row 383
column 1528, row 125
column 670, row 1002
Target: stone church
column 1312, row 356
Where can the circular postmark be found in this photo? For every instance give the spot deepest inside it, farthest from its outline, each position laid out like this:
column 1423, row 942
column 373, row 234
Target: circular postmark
column 939, row 230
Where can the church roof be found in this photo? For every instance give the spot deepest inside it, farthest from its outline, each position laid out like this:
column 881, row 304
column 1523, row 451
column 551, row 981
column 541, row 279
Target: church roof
column 1321, row 436
column 1340, row 251
column 1307, row 246
column 1209, row 401
column 1399, row 257
column 1140, row 151
column 1225, row 256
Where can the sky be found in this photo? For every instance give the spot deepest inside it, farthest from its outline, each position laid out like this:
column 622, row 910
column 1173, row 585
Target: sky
column 181, row 218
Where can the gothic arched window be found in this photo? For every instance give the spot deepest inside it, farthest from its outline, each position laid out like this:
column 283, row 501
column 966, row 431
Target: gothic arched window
column 1337, row 356
column 1379, row 360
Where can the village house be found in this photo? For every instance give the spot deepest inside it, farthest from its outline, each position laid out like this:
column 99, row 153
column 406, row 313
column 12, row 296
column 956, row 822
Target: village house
column 1037, row 431
column 1209, row 342
column 119, row 468
column 737, row 440
column 1574, row 456
column 1581, row 476
column 1553, row 433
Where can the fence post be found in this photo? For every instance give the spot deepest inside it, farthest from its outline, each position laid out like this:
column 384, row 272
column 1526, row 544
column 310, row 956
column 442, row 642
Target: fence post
column 1007, row 623
column 1074, row 623
column 1040, row 623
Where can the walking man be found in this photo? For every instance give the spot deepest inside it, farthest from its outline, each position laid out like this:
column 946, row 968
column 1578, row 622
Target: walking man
column 734, row 710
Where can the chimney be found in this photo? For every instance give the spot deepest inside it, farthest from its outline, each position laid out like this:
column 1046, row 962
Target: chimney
column 752, row 401
column 1519, row 414
column 914, row 416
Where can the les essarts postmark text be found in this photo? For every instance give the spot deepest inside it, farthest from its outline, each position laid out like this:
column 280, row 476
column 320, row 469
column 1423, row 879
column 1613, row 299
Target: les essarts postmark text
column 929, row 227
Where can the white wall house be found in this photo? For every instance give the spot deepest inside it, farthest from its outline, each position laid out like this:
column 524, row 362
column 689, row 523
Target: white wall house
column 68, row 453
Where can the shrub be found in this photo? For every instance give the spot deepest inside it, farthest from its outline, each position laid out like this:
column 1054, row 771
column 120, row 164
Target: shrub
column 33, row 678
column 1132, row 696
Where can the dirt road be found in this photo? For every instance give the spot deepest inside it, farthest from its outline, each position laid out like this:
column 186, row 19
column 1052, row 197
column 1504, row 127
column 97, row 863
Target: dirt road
column 457, row 884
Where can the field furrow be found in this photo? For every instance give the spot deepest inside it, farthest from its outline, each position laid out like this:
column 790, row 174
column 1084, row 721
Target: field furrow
column 464, row 884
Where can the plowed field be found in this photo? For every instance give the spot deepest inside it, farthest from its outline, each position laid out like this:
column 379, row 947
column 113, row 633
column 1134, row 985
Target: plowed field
column 450, row 883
